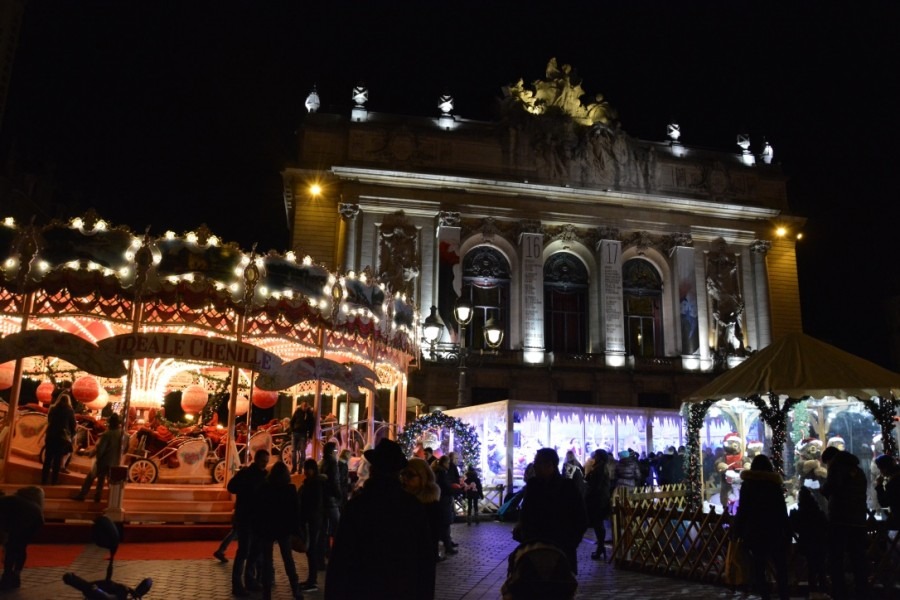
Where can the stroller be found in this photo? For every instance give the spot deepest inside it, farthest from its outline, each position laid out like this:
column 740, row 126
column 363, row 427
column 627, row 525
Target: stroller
column 106, row 535
column 538, row 571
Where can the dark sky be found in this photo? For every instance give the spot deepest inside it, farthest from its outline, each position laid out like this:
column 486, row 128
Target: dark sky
column 169, row 114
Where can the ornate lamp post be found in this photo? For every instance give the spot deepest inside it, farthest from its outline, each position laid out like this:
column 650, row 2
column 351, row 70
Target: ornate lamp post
column 432, row 329
column 493, row 333
column 462, row 312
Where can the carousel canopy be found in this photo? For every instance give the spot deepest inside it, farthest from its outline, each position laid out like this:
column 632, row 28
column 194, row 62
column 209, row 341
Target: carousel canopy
column 799, row 366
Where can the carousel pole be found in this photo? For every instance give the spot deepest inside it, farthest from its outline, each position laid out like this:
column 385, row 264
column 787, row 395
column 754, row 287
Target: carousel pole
column 251, row 278
column 143, row 258
column 27, row 250
column 317, row 399
column 370, row 395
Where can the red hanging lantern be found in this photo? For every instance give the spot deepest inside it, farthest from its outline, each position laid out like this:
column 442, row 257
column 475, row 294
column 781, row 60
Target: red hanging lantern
column 264, row 398
column 44, row 392
column 193, row 399
column 7, row 373
column 242, row 406
column 86, row 389
column 99, row 402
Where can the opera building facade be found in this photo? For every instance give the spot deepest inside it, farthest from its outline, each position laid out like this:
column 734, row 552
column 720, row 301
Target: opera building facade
column 620, row 271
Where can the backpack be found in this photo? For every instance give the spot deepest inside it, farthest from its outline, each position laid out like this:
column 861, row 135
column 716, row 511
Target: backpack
column 538, row 570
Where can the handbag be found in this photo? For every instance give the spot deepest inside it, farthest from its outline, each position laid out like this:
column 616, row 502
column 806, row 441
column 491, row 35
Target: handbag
column 298, row 543
column 737, row 564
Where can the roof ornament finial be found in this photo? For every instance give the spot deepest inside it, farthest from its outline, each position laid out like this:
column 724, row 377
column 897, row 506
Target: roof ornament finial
column 312, row 101
column 360, row 97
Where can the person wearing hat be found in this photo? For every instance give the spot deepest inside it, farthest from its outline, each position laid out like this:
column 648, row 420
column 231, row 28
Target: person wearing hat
column 383, row 546
column 846, row 488
column 21, row 517
column 107, row 454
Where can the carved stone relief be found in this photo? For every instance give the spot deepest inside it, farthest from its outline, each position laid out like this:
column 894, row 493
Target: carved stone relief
column 398, row 253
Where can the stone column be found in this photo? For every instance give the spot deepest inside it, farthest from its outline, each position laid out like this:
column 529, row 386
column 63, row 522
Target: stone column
column 612, row 314
column 686, row 282
column 531, row 249
column 350, row 234
column 758, row 251
column 448, row 268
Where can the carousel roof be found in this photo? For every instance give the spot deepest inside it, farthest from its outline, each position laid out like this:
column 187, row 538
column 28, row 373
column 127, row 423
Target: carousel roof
column 94, row 281
column 800, row 366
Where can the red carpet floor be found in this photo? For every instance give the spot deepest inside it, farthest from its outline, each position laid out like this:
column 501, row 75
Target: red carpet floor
column 44, row 555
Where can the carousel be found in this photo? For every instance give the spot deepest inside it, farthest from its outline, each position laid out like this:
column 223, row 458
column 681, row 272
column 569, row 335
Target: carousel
column 122, row 320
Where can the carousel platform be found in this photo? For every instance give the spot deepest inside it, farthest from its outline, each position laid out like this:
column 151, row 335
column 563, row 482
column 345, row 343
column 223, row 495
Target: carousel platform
column 152, row 512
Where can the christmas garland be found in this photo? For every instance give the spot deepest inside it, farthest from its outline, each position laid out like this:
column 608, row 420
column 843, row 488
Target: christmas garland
column 466, row 438
column 776, row 418
column 696, row 414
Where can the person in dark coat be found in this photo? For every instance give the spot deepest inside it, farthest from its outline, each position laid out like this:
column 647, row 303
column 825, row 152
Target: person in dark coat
column 887, row 488
column 107, row 454
column 762, row 523
column 846, row 489
column 474, row 494
column 597, row 500
column 245, row 485
column 628, row 471
column 275, row 518
column 418, row 479
column 21, row 517
column 448, row 511
column 58, row 437
column 810, row 527
column 312, row 520
column 553, row 508
column 329, row 467
column 382, row 549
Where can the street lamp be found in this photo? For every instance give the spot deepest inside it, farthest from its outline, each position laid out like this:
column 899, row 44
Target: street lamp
column 493, row 333
column 432, row 329
column 462, row 312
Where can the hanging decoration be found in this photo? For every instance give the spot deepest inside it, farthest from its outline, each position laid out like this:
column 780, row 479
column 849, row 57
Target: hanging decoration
column 193, row 399
column 800, row 422
column 100, row 402
column 264, row 398
column 466, row 438
column 86, row 389
column 44, row 392
column 7, row 372
column 242, row 405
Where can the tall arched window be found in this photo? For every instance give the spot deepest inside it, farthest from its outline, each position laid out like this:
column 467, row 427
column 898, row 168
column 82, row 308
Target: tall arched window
column 642, row 291
column 565, row 304
column 486, row 286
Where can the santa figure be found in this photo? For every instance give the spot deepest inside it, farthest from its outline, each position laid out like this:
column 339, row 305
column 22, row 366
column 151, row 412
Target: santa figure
column 754, row 449
column 729, row 468
column 810, row 471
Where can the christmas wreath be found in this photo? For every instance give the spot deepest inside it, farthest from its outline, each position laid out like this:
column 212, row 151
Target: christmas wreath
column 466, row 439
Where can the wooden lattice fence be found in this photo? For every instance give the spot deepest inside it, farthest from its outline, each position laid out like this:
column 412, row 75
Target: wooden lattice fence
column 653, row 532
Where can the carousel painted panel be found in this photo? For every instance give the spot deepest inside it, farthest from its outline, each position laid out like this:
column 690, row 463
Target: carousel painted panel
column 667, row 429
column 599, row 430
column 567, row 432
column 631, row 432
column 531, row 431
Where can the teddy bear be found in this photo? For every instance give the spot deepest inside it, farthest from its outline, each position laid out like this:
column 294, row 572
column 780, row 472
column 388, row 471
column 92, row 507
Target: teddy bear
column 810, row 471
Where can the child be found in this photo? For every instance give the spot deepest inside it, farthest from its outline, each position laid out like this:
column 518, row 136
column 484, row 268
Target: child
column 810, row 526
column 474, row 493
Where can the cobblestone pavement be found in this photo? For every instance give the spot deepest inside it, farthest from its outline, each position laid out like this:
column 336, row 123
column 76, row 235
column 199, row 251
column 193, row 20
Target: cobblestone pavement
column 476, row 573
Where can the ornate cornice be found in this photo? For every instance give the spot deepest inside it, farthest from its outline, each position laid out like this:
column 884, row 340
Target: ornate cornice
column 761, row 247
column 348, row 211
column 448, row 219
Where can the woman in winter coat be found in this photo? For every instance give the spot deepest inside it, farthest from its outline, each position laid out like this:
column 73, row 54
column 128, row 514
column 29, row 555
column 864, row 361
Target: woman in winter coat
column 276, row 517
column 312, row 518
column 763, row 525
column 418, row 479
column 598, row 500
column 442, row 478
column 628, row 471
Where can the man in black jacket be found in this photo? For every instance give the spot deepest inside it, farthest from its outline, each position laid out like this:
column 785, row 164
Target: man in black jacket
column 245, row 485
column 553, row 509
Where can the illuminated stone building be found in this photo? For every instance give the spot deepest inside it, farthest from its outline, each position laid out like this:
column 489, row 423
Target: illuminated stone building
column 622, row 271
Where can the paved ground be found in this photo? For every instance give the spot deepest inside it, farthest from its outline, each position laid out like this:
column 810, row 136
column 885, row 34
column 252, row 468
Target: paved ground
column 476, row 573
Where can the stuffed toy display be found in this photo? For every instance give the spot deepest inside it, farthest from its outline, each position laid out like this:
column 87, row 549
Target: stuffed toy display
column 754, row 449
column 811, row 472
column 729, row 468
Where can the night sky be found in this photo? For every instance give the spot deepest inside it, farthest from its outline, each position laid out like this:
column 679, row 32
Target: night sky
column 169, row 114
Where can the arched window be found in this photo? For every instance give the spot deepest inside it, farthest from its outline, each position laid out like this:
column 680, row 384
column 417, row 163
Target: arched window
column 642, row 291
column 486, row 286
column 565, row 304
